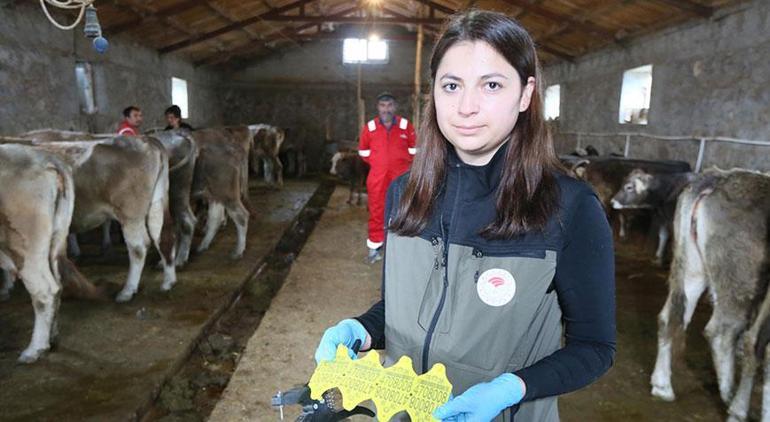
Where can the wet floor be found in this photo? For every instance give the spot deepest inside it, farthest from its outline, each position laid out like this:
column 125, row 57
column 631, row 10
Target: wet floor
column 111, row 358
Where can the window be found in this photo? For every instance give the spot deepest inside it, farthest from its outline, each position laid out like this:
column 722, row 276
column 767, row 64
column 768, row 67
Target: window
column 552, row 102
column 84, row 76
column 635, row 95
column 179, row 95
column 362, row 50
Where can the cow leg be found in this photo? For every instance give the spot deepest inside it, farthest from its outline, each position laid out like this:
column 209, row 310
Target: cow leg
column 722, row 331
column 622, row 223
column 137, row 241
column 44, row 291
column 7, row 280
column 663, row 236
column 739, row 406
column 267, row 166
column 214, row 219
column 106, row 238
column 163, row 239
column 278, row 170
column 766, row 387
column 185, row 233
column 686, row 285
column 240, row 216
column 72, row 245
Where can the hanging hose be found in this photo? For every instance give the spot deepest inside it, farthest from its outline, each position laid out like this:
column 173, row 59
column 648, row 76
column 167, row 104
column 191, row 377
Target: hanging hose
column 66, row 4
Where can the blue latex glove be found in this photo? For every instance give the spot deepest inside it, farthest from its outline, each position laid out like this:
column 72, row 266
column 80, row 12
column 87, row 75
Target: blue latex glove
column 483, row 402
column 345, row 332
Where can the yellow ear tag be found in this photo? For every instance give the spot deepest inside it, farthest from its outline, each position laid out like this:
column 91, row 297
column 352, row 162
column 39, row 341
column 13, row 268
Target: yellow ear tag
column 394, row 389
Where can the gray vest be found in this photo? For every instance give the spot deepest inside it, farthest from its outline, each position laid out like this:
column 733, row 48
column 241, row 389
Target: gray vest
column 435, row 313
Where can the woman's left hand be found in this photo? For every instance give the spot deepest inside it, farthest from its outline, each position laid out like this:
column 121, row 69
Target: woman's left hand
column 483, row 402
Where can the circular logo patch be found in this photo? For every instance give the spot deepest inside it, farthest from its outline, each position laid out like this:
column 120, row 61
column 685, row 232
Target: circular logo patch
column 496, row 287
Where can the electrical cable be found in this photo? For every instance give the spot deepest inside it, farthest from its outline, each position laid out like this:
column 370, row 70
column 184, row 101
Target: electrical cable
column 66, row 4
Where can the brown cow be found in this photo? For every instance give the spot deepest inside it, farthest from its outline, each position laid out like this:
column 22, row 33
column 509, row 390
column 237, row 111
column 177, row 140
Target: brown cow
column 266, row 148
column 36, row 206
column 125, row 179
column 221, row 180
column 721, row 235
column 606, row 175
column 349, row 166
column 183, row 155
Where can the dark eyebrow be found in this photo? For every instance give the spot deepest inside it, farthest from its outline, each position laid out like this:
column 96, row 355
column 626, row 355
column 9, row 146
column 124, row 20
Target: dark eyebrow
column 450, row 76
column 494, row 75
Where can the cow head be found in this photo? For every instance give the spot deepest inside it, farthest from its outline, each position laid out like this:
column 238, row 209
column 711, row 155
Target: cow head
column 634, row 192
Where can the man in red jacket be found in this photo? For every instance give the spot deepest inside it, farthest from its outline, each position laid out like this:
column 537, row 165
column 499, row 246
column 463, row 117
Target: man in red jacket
column 132, row 119
column 387, row 143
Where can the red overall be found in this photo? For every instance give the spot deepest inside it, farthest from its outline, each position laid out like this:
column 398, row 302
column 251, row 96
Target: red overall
column 127, row 129
column 389, row 153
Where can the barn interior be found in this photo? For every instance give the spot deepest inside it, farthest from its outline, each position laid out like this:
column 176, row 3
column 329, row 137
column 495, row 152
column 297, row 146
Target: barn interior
column 656, row 80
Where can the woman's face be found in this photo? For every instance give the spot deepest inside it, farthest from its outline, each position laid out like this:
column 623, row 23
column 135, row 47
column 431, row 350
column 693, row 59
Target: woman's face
column 478, row 97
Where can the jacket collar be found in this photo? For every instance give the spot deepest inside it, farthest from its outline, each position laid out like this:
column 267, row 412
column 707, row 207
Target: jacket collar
column 488, row 175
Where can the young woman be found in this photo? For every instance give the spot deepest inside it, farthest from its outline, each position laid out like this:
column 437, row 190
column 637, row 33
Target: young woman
column 497, row 264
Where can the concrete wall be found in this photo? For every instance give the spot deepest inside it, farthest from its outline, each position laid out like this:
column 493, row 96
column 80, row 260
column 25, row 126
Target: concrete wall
column 305, row 89
column 710, row 78
column 38, row 87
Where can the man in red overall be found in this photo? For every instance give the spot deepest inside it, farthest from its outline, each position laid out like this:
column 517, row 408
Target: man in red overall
column 387, row 143
column 131, row 121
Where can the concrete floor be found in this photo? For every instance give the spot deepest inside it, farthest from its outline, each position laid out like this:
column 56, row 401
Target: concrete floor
column 111, row 357
column 329, row 282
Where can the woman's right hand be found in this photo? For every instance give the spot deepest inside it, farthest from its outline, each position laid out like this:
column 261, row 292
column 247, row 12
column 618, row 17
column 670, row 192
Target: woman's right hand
column 346, row 332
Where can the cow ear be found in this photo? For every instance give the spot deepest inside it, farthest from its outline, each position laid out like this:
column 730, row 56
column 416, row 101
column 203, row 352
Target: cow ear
column 580, row 168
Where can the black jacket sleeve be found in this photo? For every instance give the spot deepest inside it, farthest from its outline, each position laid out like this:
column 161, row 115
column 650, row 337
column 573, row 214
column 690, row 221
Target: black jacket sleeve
column 374, row 319
column 585, row 285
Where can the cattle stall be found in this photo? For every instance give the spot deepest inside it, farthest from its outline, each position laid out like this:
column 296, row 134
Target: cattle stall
column 194, row 193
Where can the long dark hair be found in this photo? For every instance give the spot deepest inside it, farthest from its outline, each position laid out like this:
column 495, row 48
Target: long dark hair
column 528, row 193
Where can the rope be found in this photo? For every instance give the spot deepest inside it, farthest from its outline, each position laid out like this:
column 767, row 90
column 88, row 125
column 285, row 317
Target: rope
column 66, row 4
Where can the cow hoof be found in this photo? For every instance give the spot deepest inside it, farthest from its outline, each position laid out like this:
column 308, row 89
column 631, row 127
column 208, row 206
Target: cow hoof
column 124, row 297
column 235, row 256
column 663, row 393
column 30, row 356
column 167, row 286
column 201, row 249
column 658, row 262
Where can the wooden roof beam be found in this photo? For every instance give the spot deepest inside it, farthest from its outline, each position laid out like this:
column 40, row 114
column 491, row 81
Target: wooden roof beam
column 690, row 7
column 231, row 27
column 253, row 36
column 162, row 13
column 559, row 17
column 435, row 6
column 280, row 34
column 355, row 20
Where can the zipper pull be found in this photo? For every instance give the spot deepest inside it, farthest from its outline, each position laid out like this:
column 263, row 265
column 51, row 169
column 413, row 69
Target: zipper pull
column 476, row 277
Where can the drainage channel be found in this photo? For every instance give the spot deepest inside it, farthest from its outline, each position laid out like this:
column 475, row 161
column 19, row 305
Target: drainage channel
column 194, row 389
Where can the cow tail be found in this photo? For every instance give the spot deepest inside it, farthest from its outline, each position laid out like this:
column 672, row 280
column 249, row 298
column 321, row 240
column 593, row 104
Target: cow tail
column 73, row 282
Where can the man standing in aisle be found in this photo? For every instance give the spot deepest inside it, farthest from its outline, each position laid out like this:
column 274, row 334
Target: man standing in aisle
column 387, row 143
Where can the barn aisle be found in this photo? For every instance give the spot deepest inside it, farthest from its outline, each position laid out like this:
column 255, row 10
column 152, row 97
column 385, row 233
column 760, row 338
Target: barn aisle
column 111, row 357
column 328, row 282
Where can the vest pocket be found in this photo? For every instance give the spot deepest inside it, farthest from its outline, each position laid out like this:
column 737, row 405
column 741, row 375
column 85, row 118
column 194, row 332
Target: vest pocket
column 496, row 301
